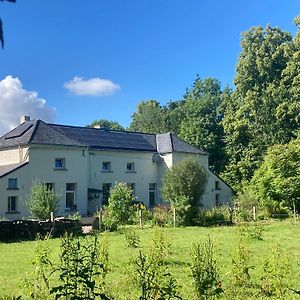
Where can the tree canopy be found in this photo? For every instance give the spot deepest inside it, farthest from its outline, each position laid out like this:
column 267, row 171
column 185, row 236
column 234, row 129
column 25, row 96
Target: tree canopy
column 106, row 124
column 278, row 178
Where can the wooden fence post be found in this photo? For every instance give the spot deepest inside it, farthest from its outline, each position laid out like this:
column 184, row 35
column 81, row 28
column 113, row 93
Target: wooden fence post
column 174, row 216
column 141, row 218
column 100, row 218
column 254, row 213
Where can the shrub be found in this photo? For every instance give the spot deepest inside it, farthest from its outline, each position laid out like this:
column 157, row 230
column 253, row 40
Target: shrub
column 183, row 186
column 120, row 205
column 204, row 271
column 241, row 266
column 221, row 215
column 132, row 239
column 160, row 215
column 82, row 269
column 276, row 269
column 42, row 201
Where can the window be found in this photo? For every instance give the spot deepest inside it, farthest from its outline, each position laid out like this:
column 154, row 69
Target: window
column 60, row 163
column 71, row 196
column 217, row 185
column 12, row 183
column 106, row 166
column 106, row 188
column 50, row 186
column 12, row 204
column 130, row 167
column 152, row 194
column 132, row 186
column 218, row 203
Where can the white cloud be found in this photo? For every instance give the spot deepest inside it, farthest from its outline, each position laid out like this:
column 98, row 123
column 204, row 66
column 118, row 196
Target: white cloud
column 91, row 87
column 16, row 101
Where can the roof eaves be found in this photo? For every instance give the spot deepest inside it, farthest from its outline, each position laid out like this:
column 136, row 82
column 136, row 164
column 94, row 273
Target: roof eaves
column 16, row 168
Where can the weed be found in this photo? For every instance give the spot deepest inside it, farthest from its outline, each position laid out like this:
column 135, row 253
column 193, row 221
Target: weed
column 204, row 271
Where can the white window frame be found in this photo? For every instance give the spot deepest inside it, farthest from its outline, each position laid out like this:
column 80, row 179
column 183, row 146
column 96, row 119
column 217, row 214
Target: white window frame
column 9, row 201
column 62, row 166
column 106, row 166
column 153, row 190
column 130, row 167
column 71, row 192
column 12, row 184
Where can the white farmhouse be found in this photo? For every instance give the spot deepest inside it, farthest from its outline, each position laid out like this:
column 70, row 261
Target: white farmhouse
column 81, row 164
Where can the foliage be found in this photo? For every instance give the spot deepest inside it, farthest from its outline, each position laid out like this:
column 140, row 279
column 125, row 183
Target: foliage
column 132, row 240
column 119, row 204
column 42, row 201
column 82, row 269
column 200, row 125
column 40, row 287
column 160, row 215
column 241, row 266
column 204, row 269
column 106, row 124
column 159, row 247
column 154, row 283
column 252, row 230
column 154, row 279
column 15, row 260
column 220, row 215
column 263, row 110
column 276, row 270
column 183, row 186
column 278, row 178
column 148, row 118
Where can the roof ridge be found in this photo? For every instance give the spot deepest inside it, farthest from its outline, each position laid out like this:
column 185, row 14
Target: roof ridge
column 34, row 129
column 92, row 128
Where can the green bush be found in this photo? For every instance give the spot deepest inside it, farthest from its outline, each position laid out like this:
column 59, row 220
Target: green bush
column 161, row 215
column 204, row 269
column 183, row 186
column 42, row 201
column 119, row 209
column 221, row 215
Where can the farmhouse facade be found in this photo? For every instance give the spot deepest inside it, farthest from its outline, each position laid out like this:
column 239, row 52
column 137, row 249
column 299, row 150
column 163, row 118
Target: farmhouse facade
column 81, row 164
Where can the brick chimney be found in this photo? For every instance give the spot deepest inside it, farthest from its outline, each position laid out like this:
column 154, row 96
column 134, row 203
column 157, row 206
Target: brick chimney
column 24, row 119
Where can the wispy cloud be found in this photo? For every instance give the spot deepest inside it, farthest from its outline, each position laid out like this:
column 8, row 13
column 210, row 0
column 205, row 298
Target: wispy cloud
column 16, row 101
column 91, row 87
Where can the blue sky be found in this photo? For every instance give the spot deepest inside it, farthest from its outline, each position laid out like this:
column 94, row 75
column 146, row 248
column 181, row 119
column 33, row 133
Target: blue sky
column 72, row 61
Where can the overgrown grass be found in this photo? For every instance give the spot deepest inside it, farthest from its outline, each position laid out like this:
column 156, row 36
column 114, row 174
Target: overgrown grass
column 121, row 280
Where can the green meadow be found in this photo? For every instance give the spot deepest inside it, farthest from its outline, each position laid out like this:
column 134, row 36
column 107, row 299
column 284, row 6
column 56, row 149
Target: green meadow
column 16, row 258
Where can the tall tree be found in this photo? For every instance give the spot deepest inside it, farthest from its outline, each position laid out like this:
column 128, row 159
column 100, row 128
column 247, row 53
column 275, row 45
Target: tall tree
column 149, row 117
column 252, row 116
column 200, row 124
column 1, row 26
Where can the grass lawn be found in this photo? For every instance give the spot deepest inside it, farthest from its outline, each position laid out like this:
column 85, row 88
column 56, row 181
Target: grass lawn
column 15, row 258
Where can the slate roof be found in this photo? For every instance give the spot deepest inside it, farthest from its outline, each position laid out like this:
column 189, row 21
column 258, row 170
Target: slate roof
column 39, row 132
column 4, row 170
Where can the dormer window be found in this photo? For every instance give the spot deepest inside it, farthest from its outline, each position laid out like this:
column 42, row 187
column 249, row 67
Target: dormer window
column 130, row 167
column 60, row 163
column 106, row 166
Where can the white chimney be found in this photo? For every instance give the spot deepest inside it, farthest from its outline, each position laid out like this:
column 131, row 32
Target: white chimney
column 24, row 119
